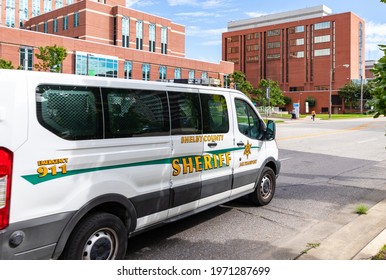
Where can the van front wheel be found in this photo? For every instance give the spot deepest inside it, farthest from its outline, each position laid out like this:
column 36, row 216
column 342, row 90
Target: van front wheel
column 265, row 187
column 101, row 236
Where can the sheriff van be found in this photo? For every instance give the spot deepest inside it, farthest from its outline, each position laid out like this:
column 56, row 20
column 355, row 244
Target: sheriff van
column 87, row 162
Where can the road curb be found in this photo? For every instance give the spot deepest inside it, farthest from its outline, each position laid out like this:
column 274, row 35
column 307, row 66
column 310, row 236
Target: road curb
column 360, row 239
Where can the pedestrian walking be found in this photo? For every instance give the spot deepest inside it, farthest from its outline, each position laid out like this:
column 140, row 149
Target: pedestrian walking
column 313, row 114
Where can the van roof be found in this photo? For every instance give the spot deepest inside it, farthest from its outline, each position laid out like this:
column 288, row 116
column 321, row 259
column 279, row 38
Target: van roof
column 71, row 79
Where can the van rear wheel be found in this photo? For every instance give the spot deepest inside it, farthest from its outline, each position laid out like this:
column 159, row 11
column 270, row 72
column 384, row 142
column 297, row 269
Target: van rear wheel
column 265, row 187
column 101, row 236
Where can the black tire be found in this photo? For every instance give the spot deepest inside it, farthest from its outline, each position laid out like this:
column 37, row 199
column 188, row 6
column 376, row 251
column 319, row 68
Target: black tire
column 100, row 236
column 265, row 187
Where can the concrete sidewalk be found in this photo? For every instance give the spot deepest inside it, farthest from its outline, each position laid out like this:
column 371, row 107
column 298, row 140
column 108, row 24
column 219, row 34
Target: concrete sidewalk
column 359, row 240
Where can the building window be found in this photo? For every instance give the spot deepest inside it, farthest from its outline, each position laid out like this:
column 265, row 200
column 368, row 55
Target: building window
column 146, row 72
column 23, row 11
column 125, row 32
column 164, row 40
column 273, row 56
column 234, row 60
column 55, row 25
column 177, row 73
column 35, row 8
column 322, row 88
column 58, row 4
column 76, row 19
column 296, row 89
column 296, row 29
column 204, row 75
column 322, row 39
column 191, row 74
column 152, row 38
column 45, row 27
column 254, row 58
column 299, row 54
column 162, row 73
column 47, row 6
column 69, row 2
column 9, row 13
column 233, row 50
column 275, row 32
column 128, row 68
column 233, row 39
column 322, row 52
column 252, row 36
column 360, row 50
column 139, row 35
column 251, row 48
column 26, row 58
column 322, row 25
column 96, row 65
column 65, row 22
column 273, row 45
column 296, row 42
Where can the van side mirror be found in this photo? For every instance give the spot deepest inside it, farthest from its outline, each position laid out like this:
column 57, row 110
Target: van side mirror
column 270, row 132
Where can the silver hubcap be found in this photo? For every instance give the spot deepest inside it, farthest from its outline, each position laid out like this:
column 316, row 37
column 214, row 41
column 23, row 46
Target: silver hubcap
column 102, row 245
column 265, row 187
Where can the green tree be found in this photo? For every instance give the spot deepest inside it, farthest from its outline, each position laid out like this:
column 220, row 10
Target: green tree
column 311, row 101
column 51, row 58
column 5, row 64
column 276, row 96
column 379, row 84
column 240, row 83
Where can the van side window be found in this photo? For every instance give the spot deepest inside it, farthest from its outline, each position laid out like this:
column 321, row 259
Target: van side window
column 214, row 113
column 132, row 113
column 71, row 112
column 248, row 122
column 185, row 113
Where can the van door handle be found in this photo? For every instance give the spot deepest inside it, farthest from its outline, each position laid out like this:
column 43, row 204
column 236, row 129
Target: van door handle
column 241, row 143
column 212, row 144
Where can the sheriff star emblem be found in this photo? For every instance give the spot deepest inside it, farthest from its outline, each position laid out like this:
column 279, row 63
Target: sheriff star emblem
column 247, row 150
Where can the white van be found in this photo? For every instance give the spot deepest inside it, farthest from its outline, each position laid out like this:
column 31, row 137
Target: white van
column 86, row 162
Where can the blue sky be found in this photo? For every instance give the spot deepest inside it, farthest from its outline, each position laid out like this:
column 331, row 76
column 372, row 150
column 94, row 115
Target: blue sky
column 205, row 20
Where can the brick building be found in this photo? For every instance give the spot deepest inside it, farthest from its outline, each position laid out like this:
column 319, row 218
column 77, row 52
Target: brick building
column 302, row 50
column 102, row 38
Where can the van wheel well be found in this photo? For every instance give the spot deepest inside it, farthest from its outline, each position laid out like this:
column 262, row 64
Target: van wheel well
column 272, row 165
column 116, row 209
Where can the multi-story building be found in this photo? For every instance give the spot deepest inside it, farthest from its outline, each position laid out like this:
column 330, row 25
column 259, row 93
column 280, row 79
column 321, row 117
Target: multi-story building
column 101, row 38
column 306, row 51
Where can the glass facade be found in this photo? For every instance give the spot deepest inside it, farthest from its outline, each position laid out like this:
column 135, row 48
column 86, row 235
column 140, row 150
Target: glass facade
column 96, row 65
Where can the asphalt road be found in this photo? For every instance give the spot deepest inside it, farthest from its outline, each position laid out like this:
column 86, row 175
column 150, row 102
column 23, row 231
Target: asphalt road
column 328, row 168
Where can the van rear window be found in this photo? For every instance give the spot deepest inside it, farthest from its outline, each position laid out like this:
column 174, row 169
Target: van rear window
column 80, row 113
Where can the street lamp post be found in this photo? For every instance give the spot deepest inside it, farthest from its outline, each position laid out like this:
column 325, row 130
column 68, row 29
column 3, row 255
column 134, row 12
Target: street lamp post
column 331, row 72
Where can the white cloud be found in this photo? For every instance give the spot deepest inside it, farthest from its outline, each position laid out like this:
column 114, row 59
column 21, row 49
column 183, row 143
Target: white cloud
column 255, row 14
column 375, row 35
column 198, row 32
column 140, row 3
column 198, row 14
column 207, row 4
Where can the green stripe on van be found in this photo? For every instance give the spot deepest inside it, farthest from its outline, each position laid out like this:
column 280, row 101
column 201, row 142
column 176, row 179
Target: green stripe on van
column 35, row 179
